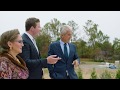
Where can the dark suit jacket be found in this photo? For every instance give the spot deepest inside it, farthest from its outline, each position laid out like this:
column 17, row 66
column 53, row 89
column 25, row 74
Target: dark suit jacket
column 32, row 58
column 58, row 70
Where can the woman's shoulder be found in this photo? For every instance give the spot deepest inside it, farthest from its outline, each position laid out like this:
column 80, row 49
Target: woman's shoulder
column 4, row 59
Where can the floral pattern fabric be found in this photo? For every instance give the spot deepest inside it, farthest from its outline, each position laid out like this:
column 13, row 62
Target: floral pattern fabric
column 10, row 70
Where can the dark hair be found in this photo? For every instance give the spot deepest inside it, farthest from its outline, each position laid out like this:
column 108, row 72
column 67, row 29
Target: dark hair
column 31, row 22
column 10, row 35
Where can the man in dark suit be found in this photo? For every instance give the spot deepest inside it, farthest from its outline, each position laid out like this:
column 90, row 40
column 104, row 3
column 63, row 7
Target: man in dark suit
column 30, row 52
column 64, row 68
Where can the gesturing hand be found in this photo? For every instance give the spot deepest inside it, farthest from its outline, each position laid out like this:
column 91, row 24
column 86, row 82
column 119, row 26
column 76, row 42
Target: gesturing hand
column 75, row 63
column 52, row 59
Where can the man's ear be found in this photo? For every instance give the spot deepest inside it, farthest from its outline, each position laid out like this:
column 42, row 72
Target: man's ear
column 32, row 28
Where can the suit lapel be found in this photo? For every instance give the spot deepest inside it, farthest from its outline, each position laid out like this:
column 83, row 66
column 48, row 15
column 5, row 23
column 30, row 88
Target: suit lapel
column 60, row 51
column 70, row 53
column 29, row 40
column 25, row 36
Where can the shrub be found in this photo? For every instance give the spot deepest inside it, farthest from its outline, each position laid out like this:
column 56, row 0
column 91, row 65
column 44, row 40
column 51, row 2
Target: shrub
column 106, row 75
column 79, row 73
column 118, row 74
column 93, row 74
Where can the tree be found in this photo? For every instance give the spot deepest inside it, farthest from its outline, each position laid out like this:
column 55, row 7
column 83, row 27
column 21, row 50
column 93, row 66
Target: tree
column 116, row 48
column 96, row 38
column 43, row 41
column 74, row 28
column 53, row 28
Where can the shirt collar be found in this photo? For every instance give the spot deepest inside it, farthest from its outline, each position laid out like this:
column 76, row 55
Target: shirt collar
column 30, row 36
column 61, row 42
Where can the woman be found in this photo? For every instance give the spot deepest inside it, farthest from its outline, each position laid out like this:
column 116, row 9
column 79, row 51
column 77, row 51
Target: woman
column 12, row 66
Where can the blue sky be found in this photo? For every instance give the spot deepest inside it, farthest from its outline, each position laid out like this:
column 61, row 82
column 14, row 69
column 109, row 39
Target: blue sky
column 108, row 21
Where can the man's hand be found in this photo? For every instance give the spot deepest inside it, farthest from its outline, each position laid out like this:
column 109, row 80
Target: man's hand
column 52, row 59
column 75, row 63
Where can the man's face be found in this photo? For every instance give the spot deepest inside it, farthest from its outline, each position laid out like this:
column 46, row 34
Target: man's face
column 37, row 29
column 66, row 37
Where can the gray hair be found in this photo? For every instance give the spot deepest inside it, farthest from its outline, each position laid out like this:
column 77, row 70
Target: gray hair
column 65, row 28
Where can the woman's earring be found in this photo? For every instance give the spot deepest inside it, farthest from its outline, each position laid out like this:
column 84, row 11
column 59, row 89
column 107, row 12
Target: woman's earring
column 11, row 48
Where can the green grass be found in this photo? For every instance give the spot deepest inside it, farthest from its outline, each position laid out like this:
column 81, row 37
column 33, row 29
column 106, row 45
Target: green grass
column 88, row 61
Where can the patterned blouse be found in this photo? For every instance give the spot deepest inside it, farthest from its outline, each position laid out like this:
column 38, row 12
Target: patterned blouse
column 11, row 69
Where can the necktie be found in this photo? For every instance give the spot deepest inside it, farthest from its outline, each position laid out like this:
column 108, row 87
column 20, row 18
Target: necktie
column 65, row 51
column 35, row 44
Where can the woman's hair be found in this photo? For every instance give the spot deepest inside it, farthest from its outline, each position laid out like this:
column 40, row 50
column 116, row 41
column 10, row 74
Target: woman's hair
column 10, row 35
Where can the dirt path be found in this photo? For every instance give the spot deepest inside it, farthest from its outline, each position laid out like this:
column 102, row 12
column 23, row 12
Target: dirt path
column 86, row 71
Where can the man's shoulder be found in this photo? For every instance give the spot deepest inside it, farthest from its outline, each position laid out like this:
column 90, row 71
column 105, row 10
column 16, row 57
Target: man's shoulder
column 55, row 42
column 72, row 44
column 24, row 35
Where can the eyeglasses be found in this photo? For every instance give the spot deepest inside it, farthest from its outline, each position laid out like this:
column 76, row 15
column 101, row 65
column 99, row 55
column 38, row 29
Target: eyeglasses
column 19, row 41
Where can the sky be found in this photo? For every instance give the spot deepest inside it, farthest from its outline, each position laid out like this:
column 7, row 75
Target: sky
column 108, row 21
